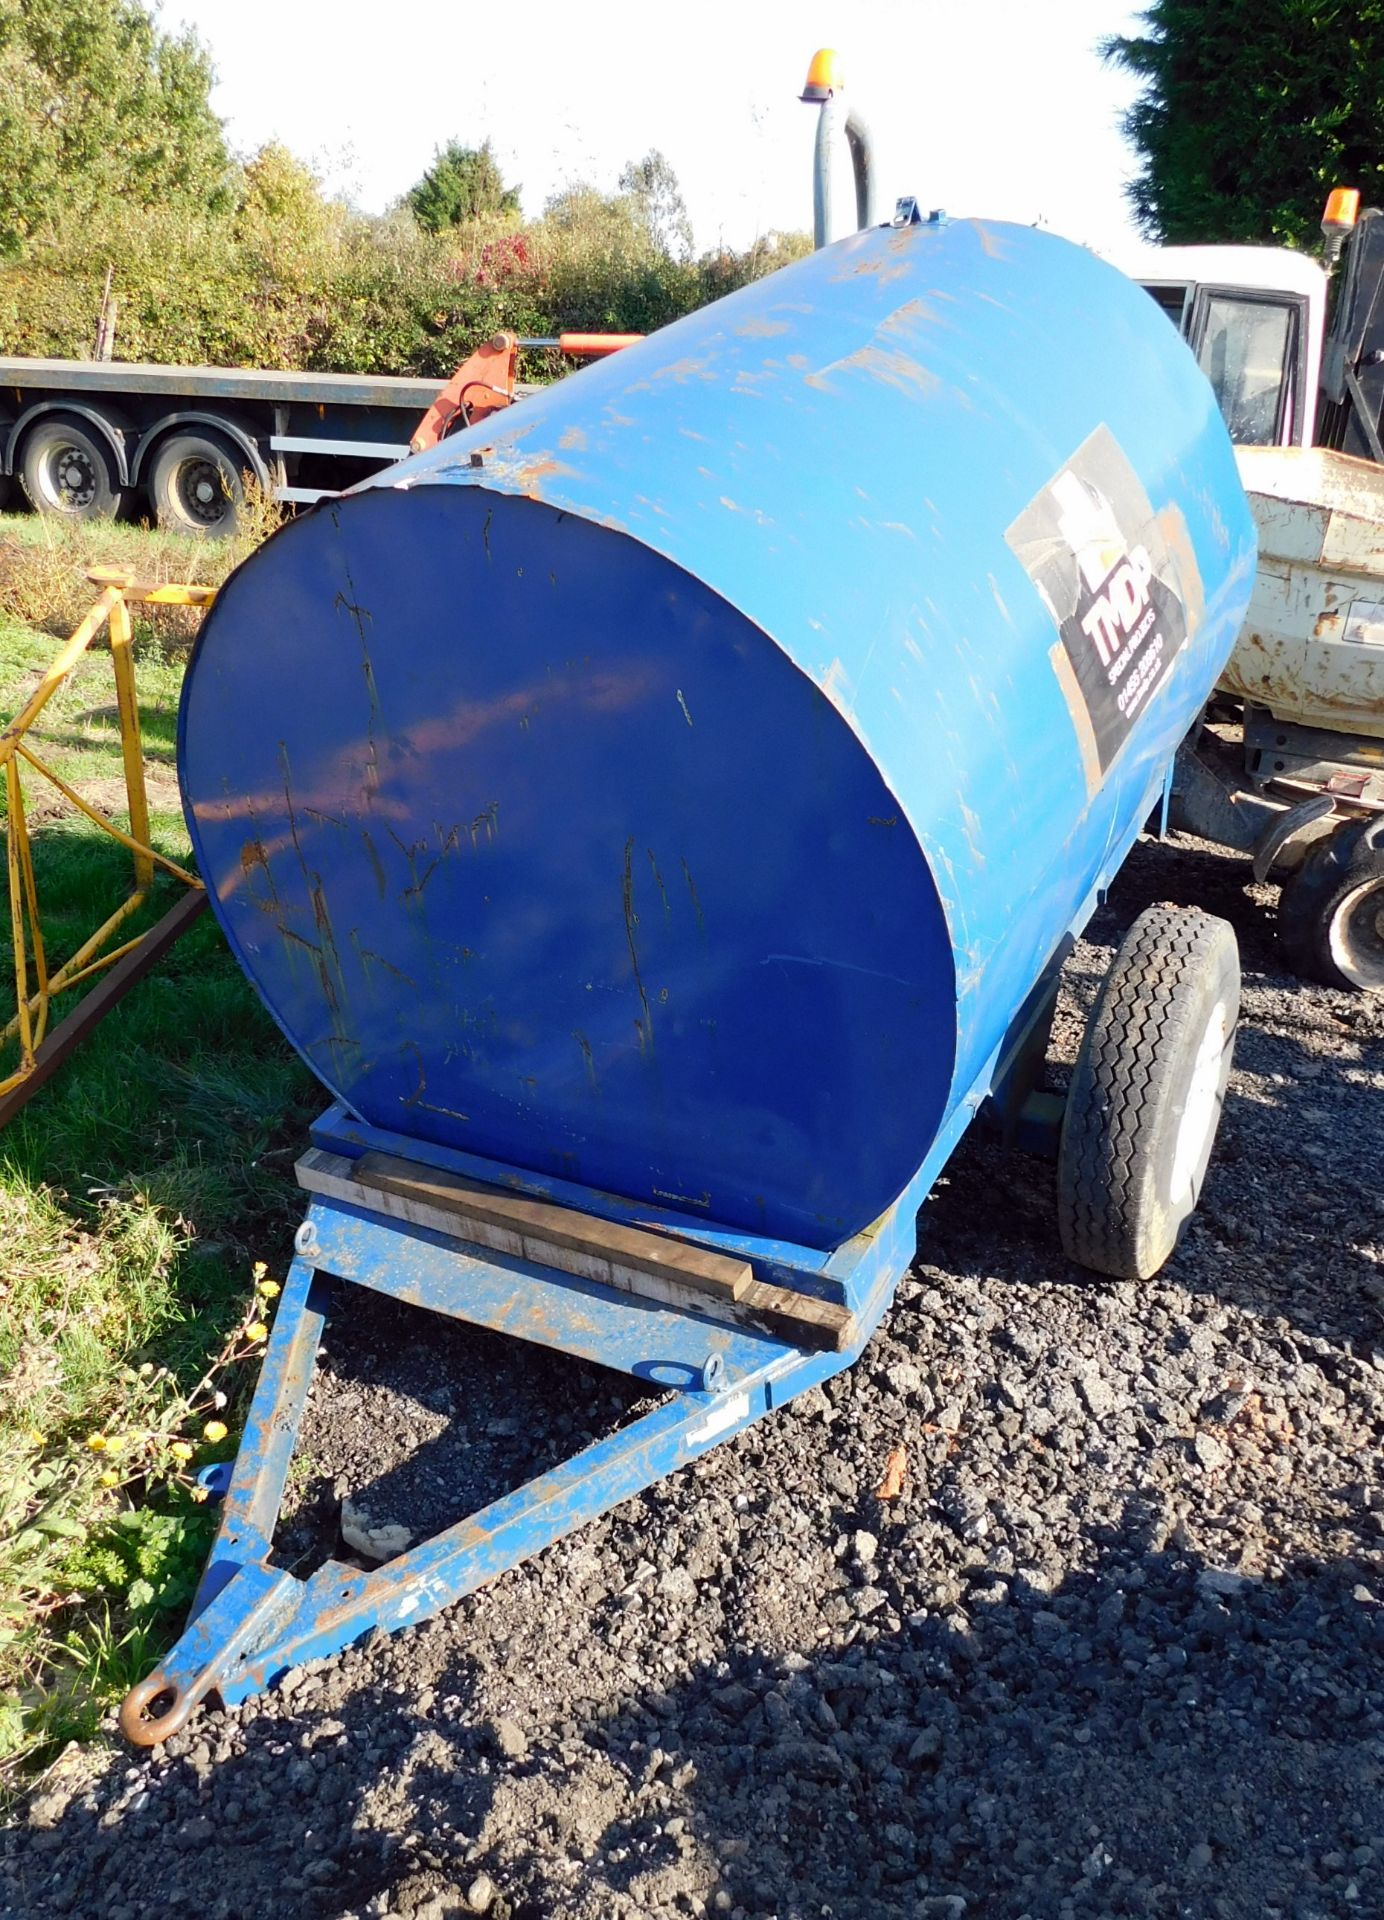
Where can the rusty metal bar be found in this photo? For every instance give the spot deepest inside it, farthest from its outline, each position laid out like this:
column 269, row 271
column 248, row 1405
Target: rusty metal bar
column 69, row 1033
column 35, row 1005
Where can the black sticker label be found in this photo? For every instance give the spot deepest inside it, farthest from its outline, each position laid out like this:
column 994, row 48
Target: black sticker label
column 1092, row 546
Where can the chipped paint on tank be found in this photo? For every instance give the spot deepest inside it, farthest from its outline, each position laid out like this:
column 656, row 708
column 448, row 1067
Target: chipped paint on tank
column 897, row 369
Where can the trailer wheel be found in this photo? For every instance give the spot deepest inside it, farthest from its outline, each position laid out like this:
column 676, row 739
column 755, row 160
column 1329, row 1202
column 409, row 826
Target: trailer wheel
column 1331, row 910
column 196, row 483
column 1146, row 1093
column 66, row 468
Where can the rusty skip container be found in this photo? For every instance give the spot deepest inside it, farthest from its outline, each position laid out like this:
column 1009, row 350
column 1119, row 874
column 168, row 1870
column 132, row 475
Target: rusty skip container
column 680, row 785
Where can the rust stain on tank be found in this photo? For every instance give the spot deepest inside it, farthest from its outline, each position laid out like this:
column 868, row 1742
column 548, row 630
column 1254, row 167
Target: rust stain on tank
column 761, row 327
column 990, row 244
column 913, row 313
column 533, row 475
column 688, row 368
column 876, row 266
column 573, row 440
column 888, row 364
column 1172, row 525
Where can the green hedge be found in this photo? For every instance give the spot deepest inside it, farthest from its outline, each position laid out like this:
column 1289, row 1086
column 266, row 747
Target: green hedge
column 291, row 281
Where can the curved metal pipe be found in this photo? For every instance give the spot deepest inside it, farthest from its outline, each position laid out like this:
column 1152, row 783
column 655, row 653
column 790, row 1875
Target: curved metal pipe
column 861, row 146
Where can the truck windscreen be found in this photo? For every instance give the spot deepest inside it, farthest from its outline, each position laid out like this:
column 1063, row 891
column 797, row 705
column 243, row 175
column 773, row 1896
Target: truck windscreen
column 1245, row 351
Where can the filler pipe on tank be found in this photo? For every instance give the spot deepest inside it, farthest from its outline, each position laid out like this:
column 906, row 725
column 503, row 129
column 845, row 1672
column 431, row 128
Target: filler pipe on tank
column 822, row 90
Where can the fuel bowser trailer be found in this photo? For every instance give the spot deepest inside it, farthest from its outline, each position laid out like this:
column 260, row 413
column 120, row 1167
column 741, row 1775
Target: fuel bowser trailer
column 658, row 814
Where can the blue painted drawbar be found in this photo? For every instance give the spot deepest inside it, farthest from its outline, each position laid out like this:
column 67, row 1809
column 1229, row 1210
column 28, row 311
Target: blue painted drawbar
column 672, row 799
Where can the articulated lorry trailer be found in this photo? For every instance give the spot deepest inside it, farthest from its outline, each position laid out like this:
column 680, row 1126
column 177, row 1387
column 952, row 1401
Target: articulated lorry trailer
column 85, row 439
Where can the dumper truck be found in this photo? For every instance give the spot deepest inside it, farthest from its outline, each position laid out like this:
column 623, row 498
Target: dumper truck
column 1288, row 762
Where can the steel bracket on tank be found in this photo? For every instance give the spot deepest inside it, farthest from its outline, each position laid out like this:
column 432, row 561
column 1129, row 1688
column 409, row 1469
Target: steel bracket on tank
column 253, row 1619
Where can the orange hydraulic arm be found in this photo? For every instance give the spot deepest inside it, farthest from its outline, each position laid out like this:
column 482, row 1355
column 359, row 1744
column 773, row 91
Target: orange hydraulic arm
column 484, row 383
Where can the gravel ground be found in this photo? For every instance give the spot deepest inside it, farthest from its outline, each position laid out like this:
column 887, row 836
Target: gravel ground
column 1115, row 1650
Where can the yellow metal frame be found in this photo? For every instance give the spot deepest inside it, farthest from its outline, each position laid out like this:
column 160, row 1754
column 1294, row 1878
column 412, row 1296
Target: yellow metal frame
column 30, row 1022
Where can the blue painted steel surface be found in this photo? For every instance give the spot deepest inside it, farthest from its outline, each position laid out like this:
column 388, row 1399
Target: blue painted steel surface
column 673, row 786
column 660, row 1344
column 251, row 1620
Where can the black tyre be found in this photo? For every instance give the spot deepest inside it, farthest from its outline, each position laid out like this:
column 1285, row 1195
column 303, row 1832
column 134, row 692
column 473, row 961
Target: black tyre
column 66, row 468
column 1331, row 910
column 1147, row 1091
column 197, row 483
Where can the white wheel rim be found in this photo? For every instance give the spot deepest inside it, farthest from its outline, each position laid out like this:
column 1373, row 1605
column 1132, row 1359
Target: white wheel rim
column 1201, row 1111
column 1356, row 937
column 67, row 479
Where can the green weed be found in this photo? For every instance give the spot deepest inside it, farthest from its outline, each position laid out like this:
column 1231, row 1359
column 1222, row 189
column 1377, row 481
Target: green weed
column 137, row 1189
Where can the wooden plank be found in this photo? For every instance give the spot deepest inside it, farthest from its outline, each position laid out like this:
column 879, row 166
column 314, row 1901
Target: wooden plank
column 799, row 1317
column 547, row 1229
column 112, row 986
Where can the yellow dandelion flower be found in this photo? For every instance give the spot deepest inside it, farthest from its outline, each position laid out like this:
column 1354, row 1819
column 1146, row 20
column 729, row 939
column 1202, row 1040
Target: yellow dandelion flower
column 259, row 1270
column 34, row 1437
column 110, row 1479
column 97, row 1442
column 257, row 1331
column 115, row 1442
column 214, row 1430
column 269, row 1289
column 180, row 1450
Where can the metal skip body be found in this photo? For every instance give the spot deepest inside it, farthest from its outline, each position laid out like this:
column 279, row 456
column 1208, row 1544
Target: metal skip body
column 667, row 798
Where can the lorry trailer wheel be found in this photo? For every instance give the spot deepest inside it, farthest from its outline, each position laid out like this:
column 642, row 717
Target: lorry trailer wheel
column 1331, row 910
column 1146, row 1093
column 66, row 469
column 196, row 484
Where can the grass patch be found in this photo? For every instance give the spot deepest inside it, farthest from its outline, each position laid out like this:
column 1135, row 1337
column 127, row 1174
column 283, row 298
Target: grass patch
column 43, row 564
column 136, row 1192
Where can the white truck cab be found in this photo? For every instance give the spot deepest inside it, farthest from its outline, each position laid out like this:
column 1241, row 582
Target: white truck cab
column 1289, row 763
column 1255, row 318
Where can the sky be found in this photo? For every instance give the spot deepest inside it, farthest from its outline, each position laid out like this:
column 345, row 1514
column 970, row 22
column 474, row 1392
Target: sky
column 999, row 108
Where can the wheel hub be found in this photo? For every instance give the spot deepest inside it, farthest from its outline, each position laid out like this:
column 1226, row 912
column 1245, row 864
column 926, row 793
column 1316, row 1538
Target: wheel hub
column 1357, row 936
column 203, row 491
column 70, row 479
column 1201, row 1111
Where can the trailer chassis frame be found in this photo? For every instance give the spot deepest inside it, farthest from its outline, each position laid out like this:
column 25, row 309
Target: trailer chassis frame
column 252, row 1619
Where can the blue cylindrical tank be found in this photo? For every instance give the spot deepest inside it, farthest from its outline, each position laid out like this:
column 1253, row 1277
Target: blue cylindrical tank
column 679, row 784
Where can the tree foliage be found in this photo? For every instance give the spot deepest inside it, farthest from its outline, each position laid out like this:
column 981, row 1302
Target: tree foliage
column 99, row 109
column 653, row 187
column 266, row 271
column 1251, row 110
column 463, row 183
